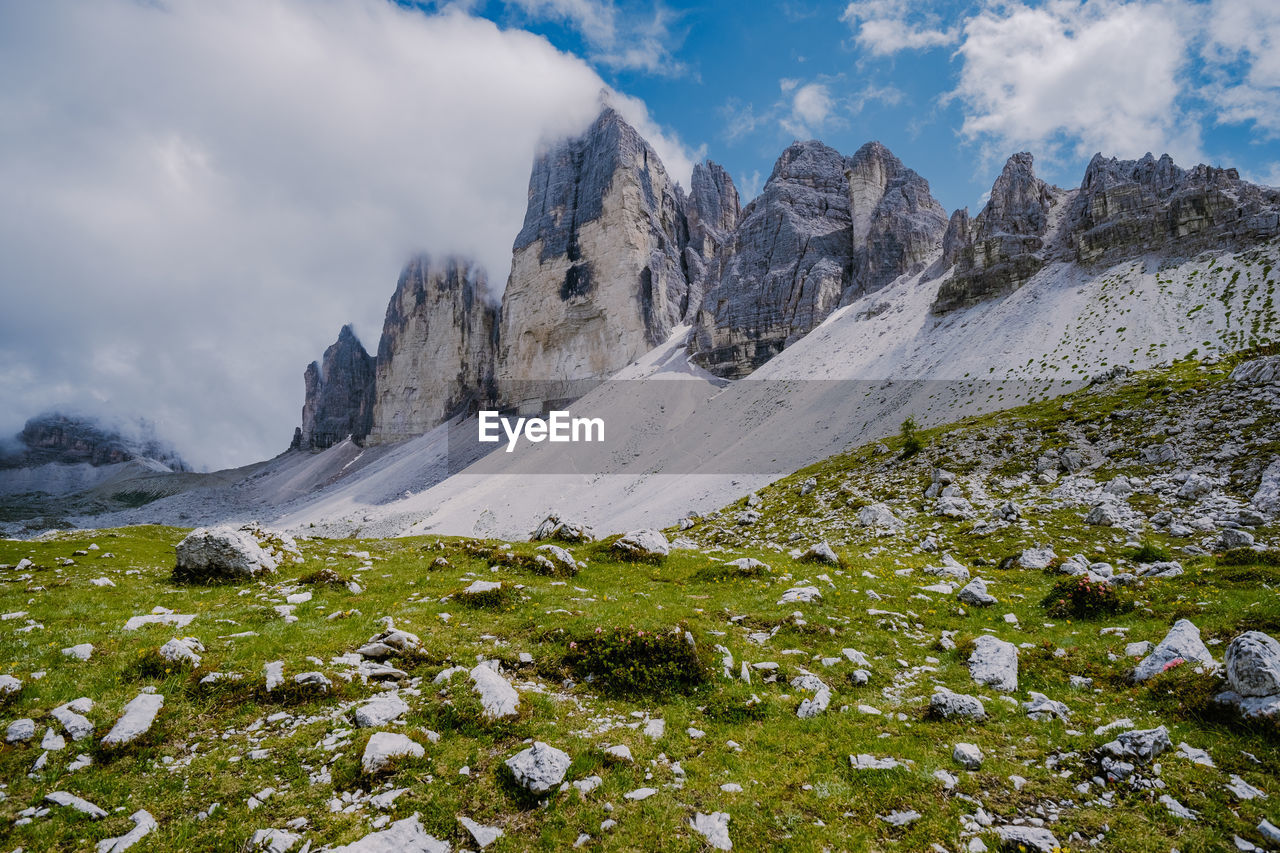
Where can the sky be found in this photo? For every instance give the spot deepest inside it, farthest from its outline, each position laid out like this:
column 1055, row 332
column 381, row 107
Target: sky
column 200, row 193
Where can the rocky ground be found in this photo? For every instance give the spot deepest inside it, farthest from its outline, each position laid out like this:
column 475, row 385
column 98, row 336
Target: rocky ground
column 1044, row 628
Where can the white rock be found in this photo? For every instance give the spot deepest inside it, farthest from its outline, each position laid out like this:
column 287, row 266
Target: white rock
column 1041, row 707
column 73, row 722
column 646, row 544
column 1244, row 790
column 385, row 746
column 497, row 696
column 1032, row 838
column 967, row 755
column 540, row 767
column 870, row 762
column 9, row 685
column 1253, row 664
column 478, row 587
column 483, row 835
column 273, row 841
column 20, row 731
column 820, row 553
column 52, row 741
column 946, row 704
column 381, row 710
column 1183, row 641
column 220, row 552
column 714, row 827
column 640, row 794
column 1267, row 498
column 143, row 824
column 655, row 729
column 83, row 651
column 975, row 594
column 1176, row 808
column 176, row 620
column 821, row 696
column 136, row 720
column 182, row 651
column 273, row 674
column 1196, row 756
column 880, row 520
column 621, row 752
column 71, row 801
column 994, row 663
column 402, row 836
column 802, row 594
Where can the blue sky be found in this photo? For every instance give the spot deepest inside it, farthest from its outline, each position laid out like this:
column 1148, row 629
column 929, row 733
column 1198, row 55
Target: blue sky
column 200, row 193
column 952, row 88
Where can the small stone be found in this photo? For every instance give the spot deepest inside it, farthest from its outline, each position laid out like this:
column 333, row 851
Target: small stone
column 383, row 747
column 967, row 755
column 539, row 768
column 714, row 828
column 483, row 835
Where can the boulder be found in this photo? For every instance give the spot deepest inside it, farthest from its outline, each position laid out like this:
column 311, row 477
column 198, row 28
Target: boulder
column 1036, row 558
column 222, row 553
column 381, row 710
column 1139, row 745
column 1027, row 839
column 967, row 755
column 556, row 527
column 183, row 652
column 384, row 747
column 402, row 836
column 950, row 705
column 1257, row 371
column 539, row 768
column 714, row 828
column 1253, row 664
column 1267, row 498
column 994, row 663
column 136, row 720
column 1181, row 643
column 820, row 553
column 880, row 520
column 646, row 544
column 497, row 696
column 975, row 594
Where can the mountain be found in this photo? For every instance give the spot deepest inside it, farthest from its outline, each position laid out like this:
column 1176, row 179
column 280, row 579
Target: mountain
column 843, row 295
column 55, row 438
column 339, row 395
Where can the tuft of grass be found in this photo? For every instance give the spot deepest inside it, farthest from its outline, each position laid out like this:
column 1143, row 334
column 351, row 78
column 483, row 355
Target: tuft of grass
column 638, row 663
column 1149, row 552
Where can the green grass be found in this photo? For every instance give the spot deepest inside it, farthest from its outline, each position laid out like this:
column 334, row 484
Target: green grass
column 581, row 693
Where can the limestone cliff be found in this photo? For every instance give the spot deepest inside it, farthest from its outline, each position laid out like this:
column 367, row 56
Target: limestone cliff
column 1128, row 207
column 339, row 395
column 1003, row 246
column 70, row 439
column 597, row 277
column 436, row 354
column 825, row 228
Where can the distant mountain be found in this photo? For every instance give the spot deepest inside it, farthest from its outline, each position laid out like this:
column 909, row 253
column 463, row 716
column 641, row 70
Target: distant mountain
column 613, row 256
column 64, row 439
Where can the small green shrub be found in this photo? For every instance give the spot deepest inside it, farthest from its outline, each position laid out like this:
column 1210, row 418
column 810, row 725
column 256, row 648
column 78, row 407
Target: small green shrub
column 1249, row 557
column 638, row 663
column 1081, row 598
column 491, row 599
column 1149, row 552
column 910, row 434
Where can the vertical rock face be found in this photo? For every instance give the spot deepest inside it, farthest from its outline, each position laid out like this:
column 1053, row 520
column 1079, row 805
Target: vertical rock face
column 712, row 213
column 436, row 355
column 825, row 228
column 1004, row 245
column 1127, row 207
column 896, row 223
column 597, row 277
column 339, row 395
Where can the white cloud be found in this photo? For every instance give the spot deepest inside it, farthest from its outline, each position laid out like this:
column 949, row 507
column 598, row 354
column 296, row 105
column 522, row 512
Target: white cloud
column 198, row 195
column 811, row 107
column 624, row 39
column 1244, row 47
column 885, row 27
column 1096, row 76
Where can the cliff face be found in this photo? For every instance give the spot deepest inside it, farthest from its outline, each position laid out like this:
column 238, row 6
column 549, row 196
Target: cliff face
column 436, row 354
column 74, row 439
column 826, row 228
column 597, row 277
column 1127, row 207
column 1004, row 245
column 712, row 213
column 339, row 394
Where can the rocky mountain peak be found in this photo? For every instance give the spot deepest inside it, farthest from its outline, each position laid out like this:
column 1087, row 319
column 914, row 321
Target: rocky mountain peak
column 826, row 228
column 438, row 347
column 71, row 439
column 1004, row 245
column 339, row 394
column 597, row 275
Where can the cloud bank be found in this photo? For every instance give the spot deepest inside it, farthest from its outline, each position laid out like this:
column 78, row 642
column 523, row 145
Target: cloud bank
column 198, row 195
